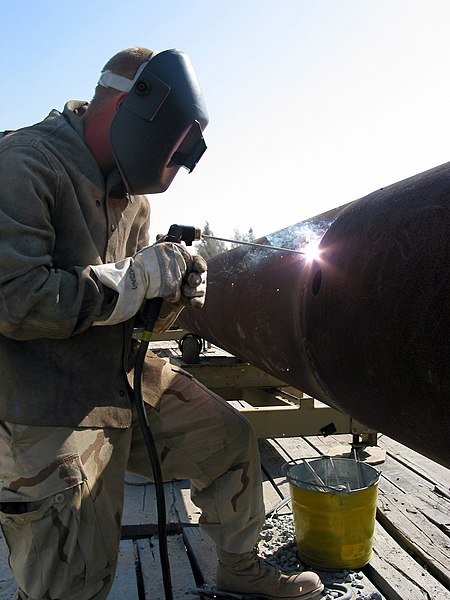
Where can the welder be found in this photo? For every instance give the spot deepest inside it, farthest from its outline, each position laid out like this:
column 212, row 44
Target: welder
column 75, row 272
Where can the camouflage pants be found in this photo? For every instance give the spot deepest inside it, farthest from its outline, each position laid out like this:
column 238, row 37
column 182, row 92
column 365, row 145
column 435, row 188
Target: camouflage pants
column 62, row 489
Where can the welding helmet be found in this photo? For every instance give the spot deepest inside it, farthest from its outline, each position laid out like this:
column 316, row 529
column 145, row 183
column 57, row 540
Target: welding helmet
column 159, row 126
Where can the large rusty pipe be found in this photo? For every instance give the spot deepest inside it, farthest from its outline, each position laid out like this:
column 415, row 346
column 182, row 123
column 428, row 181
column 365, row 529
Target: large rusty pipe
column 365, row 327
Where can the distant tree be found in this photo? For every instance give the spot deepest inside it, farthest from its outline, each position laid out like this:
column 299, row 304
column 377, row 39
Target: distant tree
column 245, row 237
column 208, row 248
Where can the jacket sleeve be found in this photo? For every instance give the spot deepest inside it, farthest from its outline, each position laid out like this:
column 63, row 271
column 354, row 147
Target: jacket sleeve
column 37, row 299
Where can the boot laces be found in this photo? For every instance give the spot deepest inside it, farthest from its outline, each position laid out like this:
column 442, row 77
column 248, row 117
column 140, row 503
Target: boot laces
column 264, row 568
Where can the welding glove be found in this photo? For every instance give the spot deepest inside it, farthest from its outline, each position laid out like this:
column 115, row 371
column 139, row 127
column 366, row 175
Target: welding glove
column 154, row 272
column 193, row 292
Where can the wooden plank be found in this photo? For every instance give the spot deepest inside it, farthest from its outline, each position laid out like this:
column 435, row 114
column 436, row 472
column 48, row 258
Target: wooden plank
column 321, row 443
column 398, row 575
column 272, row 462
column 8, row 586
column 141, row 518
column 203, row 553
column 271, row 493
column 424, row 496
column 294, row 448
column 150, row 563
column 137, row 508
column 413, row 530
column 125, row 582
column 140, row 507
column 428, row 469
column 150, row 567
column 276, row 452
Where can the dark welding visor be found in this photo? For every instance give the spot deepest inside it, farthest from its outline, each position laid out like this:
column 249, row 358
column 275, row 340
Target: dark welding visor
column 159, row 126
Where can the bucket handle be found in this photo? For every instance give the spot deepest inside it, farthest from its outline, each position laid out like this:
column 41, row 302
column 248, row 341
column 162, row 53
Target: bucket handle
column 346, row 485
column 320, row 483
column 308, row 466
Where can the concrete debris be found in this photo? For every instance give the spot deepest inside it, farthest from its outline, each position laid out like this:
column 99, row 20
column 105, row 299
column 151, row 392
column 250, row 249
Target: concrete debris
column 278, row 547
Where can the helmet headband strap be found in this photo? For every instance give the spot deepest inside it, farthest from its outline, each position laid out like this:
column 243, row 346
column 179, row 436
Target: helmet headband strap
column 108, row 79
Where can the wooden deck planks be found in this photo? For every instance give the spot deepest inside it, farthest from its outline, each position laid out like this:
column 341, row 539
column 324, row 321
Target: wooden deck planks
column 140, row 502
column 203, row 554
column 125, row 582
column 429, row 470
column 182, row 577
column 397, row 575
column 411, row 558
column 399, row 514
column 414, row 514
column 412, row 535
column 7, row 584
column 411, row 517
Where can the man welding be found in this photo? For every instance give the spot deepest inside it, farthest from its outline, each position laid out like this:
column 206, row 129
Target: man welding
column 76, row 269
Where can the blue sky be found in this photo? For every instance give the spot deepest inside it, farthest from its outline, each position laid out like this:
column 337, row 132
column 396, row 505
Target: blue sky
column 312, row 103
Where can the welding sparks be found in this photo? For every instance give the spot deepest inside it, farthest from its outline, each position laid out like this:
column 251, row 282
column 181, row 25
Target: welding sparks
column 305, row 236
column 310, row 248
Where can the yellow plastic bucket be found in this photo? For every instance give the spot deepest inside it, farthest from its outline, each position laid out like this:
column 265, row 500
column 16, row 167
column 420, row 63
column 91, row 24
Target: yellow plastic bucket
column 334, row 504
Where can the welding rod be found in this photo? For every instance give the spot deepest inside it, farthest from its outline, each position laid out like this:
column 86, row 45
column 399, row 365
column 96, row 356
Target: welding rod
column 265, row 246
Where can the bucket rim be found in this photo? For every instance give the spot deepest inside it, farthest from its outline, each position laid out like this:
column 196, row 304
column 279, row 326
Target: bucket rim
column 320, row 484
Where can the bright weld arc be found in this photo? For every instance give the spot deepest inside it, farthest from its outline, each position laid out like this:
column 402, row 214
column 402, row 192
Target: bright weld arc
column 312, row 250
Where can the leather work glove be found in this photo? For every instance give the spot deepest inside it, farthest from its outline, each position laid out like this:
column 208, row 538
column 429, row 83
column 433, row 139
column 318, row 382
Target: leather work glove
column 193, row 292
column 153, row 272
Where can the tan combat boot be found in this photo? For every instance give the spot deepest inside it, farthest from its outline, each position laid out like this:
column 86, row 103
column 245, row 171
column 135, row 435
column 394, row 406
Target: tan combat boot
column 248, row 574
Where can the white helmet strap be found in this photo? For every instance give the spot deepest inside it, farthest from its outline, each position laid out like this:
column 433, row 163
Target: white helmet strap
column 108, row 79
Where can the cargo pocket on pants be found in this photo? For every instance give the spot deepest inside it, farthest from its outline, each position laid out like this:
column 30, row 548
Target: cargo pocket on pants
column 56, row 548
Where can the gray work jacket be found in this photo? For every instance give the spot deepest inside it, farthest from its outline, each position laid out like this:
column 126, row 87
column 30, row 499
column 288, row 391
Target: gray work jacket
column 57, row 217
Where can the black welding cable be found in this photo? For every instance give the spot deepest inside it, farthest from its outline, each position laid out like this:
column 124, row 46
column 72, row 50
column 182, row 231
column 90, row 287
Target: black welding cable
column 151, row 312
